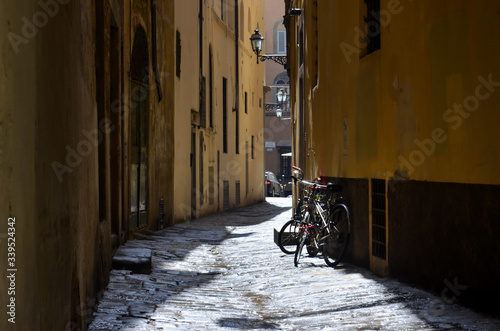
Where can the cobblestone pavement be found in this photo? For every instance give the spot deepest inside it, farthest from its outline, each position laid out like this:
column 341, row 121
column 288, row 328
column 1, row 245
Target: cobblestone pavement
column 225, row 272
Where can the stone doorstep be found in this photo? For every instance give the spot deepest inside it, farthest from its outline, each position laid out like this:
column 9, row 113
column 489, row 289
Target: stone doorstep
column 285, row 234
column 138, row 260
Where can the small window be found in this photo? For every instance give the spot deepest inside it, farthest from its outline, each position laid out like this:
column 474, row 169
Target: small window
column 281, row 42
column 242, row 23
column 178, row 54
column 252, row 150
column 372, row 20
column 222, row 10
column 246, row 103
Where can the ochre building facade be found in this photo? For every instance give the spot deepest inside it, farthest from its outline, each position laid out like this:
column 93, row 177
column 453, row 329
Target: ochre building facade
column 222, row 131
column 398, row 100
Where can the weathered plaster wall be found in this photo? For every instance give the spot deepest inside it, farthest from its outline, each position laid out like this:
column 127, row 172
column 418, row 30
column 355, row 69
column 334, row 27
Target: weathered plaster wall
column 17, row 163
column 402, row 93
column 49, row 154
column 419, row 114
column 67, row 220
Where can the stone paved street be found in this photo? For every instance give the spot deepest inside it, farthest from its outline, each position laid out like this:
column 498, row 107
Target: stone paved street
column 225, row 272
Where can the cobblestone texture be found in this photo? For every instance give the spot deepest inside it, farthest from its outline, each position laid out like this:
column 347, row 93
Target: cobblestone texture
column 225, row 272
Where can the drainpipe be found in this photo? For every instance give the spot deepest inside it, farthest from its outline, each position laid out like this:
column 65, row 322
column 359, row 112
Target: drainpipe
column 155, row 51
column 237, row 60
column 200, row 18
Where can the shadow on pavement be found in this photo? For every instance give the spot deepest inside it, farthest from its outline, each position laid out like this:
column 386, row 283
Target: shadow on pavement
column 431, row 309
column 130, row 300
column 246, row 324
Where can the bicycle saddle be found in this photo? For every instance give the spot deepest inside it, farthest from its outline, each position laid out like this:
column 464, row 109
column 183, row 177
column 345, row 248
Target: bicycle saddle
column 334, row 188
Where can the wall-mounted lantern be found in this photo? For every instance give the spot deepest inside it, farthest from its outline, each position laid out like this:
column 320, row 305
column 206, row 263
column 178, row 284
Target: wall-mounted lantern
column 257, row 41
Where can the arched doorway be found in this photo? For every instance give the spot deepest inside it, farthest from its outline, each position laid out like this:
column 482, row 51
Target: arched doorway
column 139, row 130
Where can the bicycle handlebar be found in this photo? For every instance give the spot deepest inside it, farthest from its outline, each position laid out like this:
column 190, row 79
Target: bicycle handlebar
column 308, row 183
column 332, row 187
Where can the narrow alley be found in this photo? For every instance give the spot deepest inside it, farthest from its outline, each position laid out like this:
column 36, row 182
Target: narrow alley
column 225, row 272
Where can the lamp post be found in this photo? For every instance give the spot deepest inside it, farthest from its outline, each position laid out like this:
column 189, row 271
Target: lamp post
column 278, row 113
column 257, row 40
column 281, row 95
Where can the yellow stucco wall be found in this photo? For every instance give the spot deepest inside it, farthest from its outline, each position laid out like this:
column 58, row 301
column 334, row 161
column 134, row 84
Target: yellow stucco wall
column 218, row 35
column 403, row 110
column 48, row 88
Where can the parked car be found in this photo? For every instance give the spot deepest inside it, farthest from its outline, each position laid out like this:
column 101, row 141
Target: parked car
column 273, row 186
column 286, row 182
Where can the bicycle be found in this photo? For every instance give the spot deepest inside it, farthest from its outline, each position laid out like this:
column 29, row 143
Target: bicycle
column 289, row 235
column 325, row 225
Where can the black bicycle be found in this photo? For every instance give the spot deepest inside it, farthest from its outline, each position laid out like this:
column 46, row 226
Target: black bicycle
column 290, row 234
column 325, row 224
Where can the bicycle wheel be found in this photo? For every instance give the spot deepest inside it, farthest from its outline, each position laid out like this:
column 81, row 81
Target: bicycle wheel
column 288, row 238
column 337, row 235
column 300, row 247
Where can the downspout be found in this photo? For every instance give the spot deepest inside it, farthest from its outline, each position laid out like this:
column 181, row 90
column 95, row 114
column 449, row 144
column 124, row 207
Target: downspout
column 237, row 53
column 237, row 60
column 202, row 85
column 200, row 18
column 154, row 51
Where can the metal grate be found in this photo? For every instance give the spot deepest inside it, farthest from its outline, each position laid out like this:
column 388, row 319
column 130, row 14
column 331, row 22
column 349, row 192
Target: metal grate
column 379, row 238
column 238, row 195
column 225, row 190
column 161, row 213
column 201, row 174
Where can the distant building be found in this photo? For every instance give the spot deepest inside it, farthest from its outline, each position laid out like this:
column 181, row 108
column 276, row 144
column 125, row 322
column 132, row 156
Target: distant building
column 278, row 130
column 398, row 100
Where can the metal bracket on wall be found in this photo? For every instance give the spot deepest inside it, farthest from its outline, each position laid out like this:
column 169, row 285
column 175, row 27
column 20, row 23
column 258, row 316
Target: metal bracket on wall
column 281, row 59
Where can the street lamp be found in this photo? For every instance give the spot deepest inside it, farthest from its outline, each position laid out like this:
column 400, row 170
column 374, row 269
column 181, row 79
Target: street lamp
column 256, row 39
column 281, row 96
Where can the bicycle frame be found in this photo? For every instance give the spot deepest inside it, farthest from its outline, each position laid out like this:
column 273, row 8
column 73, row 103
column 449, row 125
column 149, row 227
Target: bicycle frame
column 324, row 220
